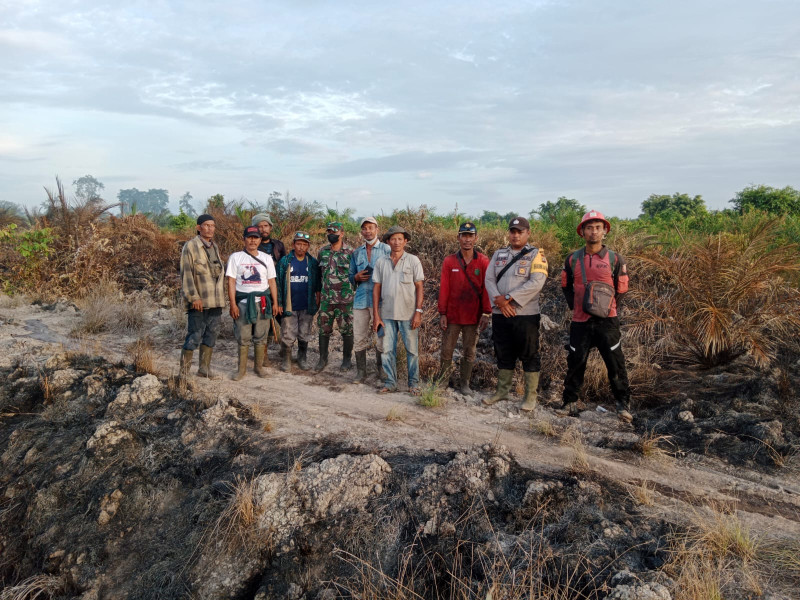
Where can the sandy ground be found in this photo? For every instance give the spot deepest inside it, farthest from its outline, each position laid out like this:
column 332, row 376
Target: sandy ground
column 301, row 407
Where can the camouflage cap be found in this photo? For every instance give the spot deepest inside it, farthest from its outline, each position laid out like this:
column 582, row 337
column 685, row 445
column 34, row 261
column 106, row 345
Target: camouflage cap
column 335, row 226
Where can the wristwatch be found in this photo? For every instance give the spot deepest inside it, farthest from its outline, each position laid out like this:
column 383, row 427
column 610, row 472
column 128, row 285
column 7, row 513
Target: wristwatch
column 507, row 296
column 418, row 309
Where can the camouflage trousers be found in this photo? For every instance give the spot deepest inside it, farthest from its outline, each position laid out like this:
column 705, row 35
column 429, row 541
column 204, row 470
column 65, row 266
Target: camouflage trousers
column 339, row 313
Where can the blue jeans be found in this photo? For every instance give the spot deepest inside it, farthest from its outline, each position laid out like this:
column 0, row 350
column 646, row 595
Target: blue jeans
column 389, row 359
column 203, row 326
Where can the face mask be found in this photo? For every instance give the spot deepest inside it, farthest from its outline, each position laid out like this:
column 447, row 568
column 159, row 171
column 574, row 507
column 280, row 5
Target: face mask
column 372, row 242
column 333, row 238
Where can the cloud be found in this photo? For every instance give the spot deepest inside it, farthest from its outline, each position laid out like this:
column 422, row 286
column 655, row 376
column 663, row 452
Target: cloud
column 406, row 161
column 209, row 165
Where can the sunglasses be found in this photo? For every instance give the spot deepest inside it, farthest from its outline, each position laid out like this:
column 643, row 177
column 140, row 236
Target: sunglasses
column 300, row 234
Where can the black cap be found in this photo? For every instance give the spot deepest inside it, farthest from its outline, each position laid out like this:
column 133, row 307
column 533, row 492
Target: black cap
column 468, row 227
column 203, row 218
column 520, row 223
column 251, row 231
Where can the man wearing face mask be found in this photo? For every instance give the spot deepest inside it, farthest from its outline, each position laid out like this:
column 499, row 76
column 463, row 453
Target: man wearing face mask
column 336, row 299
column 362, row 263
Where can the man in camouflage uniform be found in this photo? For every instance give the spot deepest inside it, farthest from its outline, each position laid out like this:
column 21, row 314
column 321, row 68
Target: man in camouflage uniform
column 336, row 299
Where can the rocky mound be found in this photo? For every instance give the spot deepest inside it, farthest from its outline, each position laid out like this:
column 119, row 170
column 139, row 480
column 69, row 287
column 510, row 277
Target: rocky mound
column 117, row 484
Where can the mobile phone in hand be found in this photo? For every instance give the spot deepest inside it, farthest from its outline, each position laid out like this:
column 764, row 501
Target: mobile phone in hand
column 380, row 331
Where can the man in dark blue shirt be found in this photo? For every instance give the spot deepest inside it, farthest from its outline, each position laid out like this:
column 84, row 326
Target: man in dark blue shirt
column 298, row 297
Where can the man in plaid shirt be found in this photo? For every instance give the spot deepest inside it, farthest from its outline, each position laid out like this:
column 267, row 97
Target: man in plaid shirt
column 203, row 291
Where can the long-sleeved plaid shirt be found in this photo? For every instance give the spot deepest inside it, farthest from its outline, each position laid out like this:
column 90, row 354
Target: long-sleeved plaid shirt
column 197, row 275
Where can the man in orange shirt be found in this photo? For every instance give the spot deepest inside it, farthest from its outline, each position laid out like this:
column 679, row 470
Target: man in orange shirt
column 594, row 280
column 463, row 305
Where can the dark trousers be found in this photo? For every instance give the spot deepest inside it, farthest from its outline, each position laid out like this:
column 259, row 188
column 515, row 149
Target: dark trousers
column 203, row 326
column 516, row 338
column 603, row 334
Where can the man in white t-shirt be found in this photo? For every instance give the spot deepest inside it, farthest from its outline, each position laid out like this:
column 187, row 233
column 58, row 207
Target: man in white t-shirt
column 253, row 298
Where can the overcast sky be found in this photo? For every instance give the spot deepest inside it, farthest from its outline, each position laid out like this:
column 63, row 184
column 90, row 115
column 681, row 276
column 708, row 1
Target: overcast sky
column 377, row 105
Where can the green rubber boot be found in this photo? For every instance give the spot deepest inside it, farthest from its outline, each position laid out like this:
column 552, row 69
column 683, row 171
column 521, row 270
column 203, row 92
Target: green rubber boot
column 238, row 375
column 205, row 363
column 504, row 377
column 186, row 362
column 258, row 363
column 531, row 395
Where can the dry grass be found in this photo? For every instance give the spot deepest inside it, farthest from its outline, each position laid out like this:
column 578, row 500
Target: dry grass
column 528, row 571
column 107, row 309
column 141, row 353
column 650, row 445
column 236, row 525
column 643, row 493
column 38, row 586
column 573, row 438
column 396, row 413
column 544, row 427
column 718, row 554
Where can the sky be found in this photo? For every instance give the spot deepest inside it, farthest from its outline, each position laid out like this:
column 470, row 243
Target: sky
column 466, row 105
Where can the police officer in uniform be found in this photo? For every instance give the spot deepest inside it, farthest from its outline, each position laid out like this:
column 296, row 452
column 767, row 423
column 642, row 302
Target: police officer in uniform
column 514, row 279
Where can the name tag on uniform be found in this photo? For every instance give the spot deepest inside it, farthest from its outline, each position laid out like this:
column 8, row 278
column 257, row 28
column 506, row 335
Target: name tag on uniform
column 502, row 256
column 455, row 270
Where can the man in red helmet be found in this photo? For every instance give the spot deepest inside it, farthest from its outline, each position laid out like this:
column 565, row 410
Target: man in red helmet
column 594, row 280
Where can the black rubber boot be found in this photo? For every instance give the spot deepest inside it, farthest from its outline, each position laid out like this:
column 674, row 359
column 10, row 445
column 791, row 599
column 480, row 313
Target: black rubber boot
column 347, row 352
column 324, row 342
column 302, row 356
column 379, row 364
column 443, row 376
column 465, row 375
column 286, row 361
column 361, row 366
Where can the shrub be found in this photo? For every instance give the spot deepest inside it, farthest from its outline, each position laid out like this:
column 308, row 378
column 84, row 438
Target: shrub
column 718, row 298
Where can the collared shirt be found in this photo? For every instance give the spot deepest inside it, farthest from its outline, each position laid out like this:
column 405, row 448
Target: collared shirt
column 359, row 262
column 202, row 275
column 460, row 301
column 523, row 281
column 398, row 292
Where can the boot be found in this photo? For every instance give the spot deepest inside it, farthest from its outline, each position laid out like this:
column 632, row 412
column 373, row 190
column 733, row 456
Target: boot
column 569, row 409
column 286, row 362
column 531, row 395
column 258, row 363
column 466, row 373
column 443, row 376
column 623, row 412
column 324, row 341
column 361, row 366
column 347, row 352
column 242, row 364
column 266, row 355
column 281, row 351
column 302, row 356
column 205, row 363
column 504, row 377
column 379, row 364
column 186, row 362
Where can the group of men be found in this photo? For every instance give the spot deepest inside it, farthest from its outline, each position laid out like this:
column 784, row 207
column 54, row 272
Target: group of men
column 374, row 294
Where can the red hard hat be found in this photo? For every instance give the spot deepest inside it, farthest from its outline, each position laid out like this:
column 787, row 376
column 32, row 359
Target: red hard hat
column 593, row 215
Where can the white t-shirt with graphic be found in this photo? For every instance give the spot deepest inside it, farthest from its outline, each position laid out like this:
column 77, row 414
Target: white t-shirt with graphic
column 251, row 276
